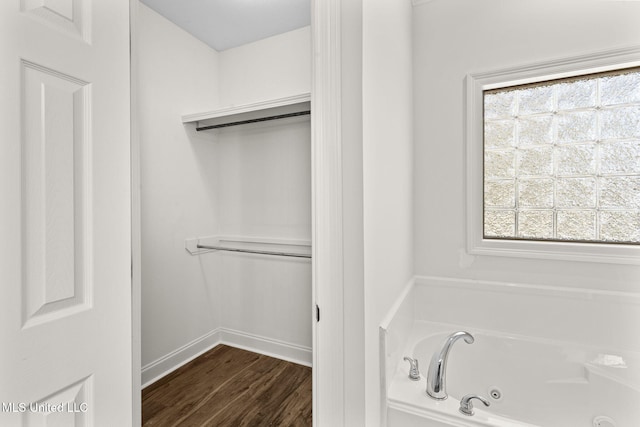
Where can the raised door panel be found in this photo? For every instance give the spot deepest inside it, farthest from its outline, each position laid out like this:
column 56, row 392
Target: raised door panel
column 55, row 194
column 67, row 407
column 70, row 16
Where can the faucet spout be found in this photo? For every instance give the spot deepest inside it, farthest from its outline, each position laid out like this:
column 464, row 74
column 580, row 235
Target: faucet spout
column 437, row 373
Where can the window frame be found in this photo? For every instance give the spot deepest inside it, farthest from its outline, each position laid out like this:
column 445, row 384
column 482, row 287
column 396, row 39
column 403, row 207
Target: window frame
column 476, row 84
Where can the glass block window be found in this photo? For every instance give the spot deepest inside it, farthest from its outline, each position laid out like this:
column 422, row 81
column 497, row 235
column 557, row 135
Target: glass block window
column 562, row 159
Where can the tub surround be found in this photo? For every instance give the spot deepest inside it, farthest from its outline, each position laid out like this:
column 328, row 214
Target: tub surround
column 567, row 346
column 585, row 316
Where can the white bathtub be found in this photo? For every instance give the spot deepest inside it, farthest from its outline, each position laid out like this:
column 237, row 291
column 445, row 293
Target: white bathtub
column 542, row 383
column 561, row 357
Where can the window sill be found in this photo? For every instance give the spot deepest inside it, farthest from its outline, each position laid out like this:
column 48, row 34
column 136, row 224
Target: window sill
column 563, row 251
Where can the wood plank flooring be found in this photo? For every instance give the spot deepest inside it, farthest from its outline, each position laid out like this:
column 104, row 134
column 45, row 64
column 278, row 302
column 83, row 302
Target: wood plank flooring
column 230, row 387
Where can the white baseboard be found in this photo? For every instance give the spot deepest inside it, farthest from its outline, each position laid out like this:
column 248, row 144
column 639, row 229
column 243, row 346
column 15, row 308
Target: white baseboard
column 267, row 346
column 172, row 361
column 255, row 343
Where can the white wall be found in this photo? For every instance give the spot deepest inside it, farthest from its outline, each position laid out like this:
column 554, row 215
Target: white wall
column 264, row 171
column 264, row 176
column 272, row 68
column 456, row 37
column 387, row 120
column 253, row 180
column 178, row 75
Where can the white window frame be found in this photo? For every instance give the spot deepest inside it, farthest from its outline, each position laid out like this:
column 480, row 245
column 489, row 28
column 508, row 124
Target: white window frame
column 476, row 84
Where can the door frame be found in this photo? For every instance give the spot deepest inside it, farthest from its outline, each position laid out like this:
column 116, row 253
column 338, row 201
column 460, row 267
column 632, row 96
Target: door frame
column 327, row 221
column 136, row 224
column 327, row 212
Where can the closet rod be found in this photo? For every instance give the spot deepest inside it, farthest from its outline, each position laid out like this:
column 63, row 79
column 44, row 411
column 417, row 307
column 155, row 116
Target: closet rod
column 261, row 119
column 253, row 251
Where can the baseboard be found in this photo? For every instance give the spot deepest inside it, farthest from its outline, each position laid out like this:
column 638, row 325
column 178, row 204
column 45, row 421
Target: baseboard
column 255, row 343
column 267, row 346
column 172, row 361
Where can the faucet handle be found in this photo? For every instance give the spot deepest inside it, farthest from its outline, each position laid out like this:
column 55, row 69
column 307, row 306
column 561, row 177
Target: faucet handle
column 414, row 372
column 466, row 406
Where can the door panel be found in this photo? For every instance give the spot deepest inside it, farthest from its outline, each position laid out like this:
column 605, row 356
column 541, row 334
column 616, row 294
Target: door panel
column 55, row 172
column 65, row 257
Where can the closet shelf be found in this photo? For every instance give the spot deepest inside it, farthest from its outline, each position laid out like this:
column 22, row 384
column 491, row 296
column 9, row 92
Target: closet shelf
column 292, row 106
column 253, row 251
column 251, row 245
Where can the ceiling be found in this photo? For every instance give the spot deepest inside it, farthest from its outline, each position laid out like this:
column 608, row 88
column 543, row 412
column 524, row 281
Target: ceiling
column 224, row 24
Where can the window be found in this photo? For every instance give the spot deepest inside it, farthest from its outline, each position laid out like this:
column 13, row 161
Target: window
column 553, row 159
column 562, row 159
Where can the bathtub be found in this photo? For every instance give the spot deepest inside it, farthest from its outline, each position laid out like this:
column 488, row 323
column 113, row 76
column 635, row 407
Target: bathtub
column 557, row 356
column 528, row 381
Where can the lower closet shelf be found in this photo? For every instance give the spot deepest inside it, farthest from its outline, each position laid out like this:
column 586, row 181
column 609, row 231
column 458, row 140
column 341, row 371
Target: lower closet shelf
column 259, row 246
column 253, row 251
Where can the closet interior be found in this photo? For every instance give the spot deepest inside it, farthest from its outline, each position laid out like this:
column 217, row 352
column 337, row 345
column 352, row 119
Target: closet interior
column 225, row 156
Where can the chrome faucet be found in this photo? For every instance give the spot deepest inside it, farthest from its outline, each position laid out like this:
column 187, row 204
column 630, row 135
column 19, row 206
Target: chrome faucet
column 414, row 372
column 466, row 406
column 436, row 376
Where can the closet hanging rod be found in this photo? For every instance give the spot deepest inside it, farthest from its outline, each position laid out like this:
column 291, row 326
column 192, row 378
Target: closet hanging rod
column 260, row 119
column 253, row 251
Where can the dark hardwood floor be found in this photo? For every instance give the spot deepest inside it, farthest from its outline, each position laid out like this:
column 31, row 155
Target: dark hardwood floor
column 230, row 387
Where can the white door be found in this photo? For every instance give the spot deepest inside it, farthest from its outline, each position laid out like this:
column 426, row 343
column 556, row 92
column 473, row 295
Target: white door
column 65, row 239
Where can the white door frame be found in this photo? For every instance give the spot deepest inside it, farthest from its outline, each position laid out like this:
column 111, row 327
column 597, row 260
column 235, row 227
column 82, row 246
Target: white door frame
column 327, row 211
column 328, row 286
column 136, row 226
